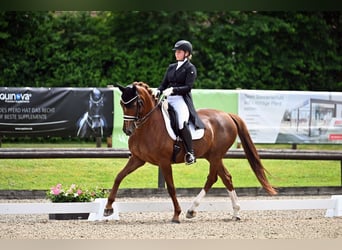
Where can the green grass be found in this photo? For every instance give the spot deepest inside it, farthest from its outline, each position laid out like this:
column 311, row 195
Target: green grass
column 41, row 174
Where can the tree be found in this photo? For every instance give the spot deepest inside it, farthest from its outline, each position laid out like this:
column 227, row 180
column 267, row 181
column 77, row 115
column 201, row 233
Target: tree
column 21, row 42
column 232, row 49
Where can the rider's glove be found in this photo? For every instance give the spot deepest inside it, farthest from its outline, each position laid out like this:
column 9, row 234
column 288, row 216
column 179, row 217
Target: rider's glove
column 168, row 91
column 156, row 93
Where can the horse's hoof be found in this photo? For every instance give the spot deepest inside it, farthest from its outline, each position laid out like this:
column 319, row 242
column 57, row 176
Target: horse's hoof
column 236, row 218
column 108, row 211
column 190, row 214
column 175, row 221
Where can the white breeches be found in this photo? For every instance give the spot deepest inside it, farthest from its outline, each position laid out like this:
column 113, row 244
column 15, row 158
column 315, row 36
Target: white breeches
column 181, row 109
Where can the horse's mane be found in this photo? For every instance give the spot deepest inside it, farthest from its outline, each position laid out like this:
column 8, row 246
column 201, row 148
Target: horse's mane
column 145, row 85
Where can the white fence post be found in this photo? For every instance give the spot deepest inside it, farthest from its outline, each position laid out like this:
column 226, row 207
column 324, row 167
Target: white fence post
column 337, row 210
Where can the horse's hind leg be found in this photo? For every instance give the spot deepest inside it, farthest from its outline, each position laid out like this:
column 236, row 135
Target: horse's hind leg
column 227, row 181
column 191, row 213
column 235, row 204
column 211, row 179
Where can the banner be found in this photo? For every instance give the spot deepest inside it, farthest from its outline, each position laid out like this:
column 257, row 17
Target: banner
column 292, row 116
column 287, row 117
column 225, row 100
column 284, row 117
column 75, row 112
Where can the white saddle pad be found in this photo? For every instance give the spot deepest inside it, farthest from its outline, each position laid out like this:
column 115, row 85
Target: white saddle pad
column 195, row 133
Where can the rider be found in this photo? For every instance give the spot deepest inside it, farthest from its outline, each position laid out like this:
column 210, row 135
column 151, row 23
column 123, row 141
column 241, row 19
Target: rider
column 177, row 84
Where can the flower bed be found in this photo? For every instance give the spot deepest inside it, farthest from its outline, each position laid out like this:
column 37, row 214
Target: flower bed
column 74, row 193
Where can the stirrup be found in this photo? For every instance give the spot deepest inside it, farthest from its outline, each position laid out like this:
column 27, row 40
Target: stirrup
column 189, row 158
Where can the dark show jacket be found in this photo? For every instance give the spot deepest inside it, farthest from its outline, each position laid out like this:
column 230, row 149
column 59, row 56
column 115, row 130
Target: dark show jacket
column 182, row 81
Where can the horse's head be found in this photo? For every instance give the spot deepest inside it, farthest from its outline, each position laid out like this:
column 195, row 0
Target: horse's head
column 95, row 106
column 137, row 103
column 95, row 103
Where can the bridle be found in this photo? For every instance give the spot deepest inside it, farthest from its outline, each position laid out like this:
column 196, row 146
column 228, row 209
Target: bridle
column 138, row 120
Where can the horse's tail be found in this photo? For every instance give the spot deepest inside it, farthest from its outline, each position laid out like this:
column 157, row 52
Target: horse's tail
column 252, row 154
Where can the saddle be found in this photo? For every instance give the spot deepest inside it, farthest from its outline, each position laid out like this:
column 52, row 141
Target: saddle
column 170, row 120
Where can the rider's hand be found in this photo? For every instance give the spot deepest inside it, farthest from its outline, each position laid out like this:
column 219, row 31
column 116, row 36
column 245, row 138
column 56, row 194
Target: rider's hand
column 156, row 93
column 168, row 91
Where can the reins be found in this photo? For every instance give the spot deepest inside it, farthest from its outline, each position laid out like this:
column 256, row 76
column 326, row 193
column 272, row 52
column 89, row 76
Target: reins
column 136, row 119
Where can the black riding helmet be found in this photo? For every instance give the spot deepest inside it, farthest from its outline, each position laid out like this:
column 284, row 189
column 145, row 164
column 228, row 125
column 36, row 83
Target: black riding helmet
column 183, row 45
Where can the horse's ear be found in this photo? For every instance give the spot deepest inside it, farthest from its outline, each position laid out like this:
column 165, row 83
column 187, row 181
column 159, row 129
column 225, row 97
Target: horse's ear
column 121, row 88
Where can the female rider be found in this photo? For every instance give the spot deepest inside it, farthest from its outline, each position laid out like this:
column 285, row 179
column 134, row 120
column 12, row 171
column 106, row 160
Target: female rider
column 176, row 85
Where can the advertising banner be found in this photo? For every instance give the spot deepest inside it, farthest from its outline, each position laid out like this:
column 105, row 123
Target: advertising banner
column 292, row 116
column 75, row 112
column 225, row 100
column 285, row 117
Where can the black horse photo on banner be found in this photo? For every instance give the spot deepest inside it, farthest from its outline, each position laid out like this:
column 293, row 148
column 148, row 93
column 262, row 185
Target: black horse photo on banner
column 65, row 112
column 93, row 122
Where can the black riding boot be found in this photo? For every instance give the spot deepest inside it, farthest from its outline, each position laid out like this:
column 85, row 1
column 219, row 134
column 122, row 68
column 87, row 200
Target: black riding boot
column 187, row 140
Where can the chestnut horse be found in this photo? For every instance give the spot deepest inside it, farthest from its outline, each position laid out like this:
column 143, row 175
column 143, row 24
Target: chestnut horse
column 149, row 142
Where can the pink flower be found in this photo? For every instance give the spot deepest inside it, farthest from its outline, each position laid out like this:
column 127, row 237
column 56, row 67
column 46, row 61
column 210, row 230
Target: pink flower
column 55, row 191
column 74, row 193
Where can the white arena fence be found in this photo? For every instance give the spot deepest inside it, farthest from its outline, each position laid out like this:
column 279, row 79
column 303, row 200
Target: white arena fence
column 333, row 207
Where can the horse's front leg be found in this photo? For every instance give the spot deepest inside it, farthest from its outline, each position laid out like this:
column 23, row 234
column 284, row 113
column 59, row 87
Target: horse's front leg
column 132, row 164
column 167, row 173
